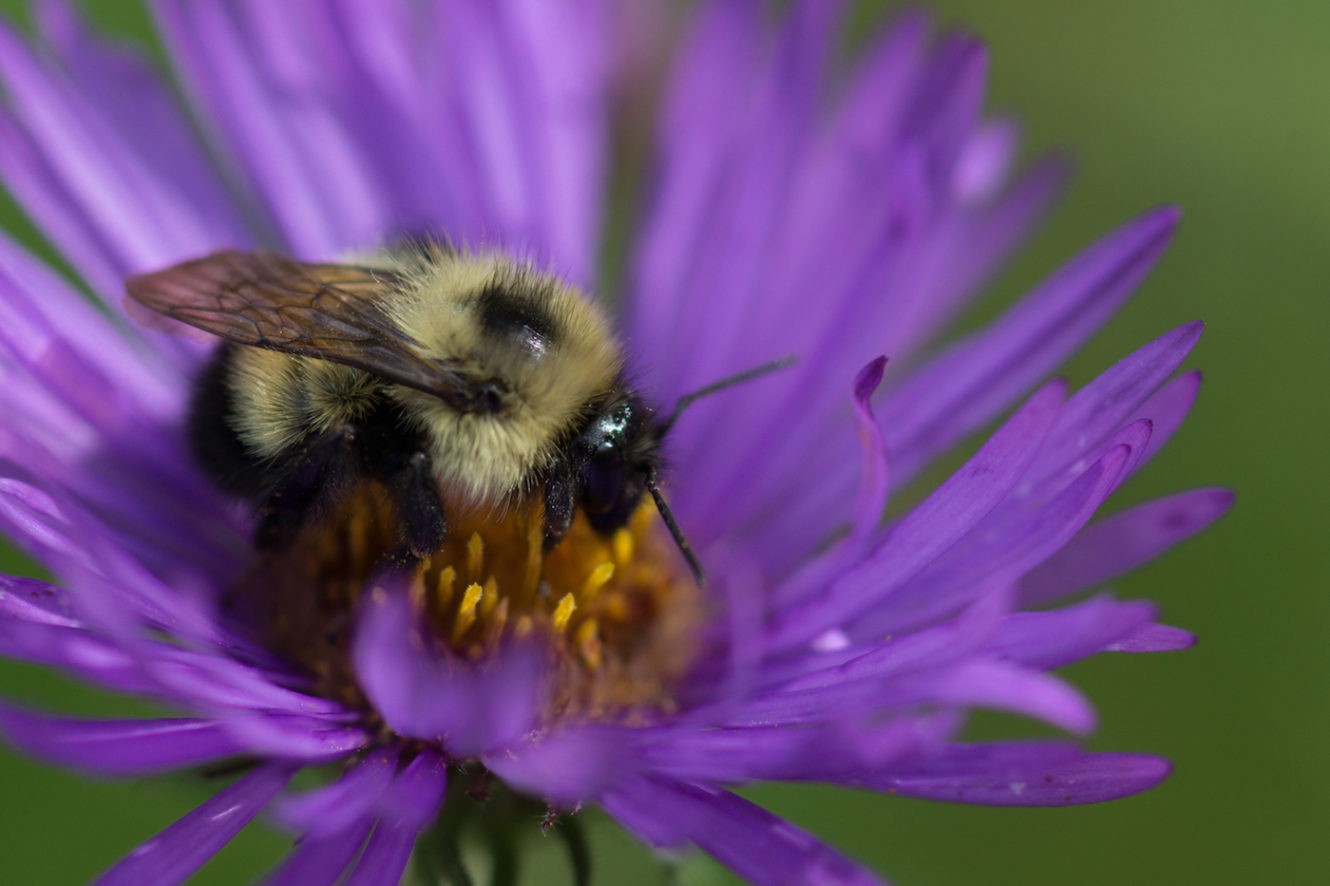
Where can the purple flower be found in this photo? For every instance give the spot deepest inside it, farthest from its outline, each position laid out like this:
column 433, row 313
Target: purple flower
column 837, row 210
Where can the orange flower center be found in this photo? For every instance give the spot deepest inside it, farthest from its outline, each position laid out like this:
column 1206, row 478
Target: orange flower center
column 619, row 613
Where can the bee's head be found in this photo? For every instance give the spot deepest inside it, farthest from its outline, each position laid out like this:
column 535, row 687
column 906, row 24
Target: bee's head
column 620, row 449
column 618, row 456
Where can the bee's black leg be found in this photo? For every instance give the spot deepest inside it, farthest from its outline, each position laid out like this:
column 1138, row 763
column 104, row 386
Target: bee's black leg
column 560, row 502
column 422, row 526
column 304, row 492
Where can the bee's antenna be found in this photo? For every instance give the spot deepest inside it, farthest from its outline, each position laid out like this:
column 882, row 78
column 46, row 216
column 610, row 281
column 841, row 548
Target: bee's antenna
column 729, row 381
column 675, row 532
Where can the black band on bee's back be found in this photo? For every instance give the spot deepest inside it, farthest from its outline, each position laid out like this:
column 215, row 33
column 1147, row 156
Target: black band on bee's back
column 509, row 315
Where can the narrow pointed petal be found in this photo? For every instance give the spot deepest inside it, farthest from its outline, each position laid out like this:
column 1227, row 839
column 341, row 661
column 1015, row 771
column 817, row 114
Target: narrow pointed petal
column 122, row 193
column 117, row 747
column 1001, row 686
column 327, row 811
column 746, row 838
column 321, row 861
column 973, row 379
column 1028, row 775
column 184, row 847
column 1122, row 542
column 1059, row 637
column 942, row 520
column 408, row 806
column 1112, row 399
column 871, row 503
column 1011, row 541
column 1154, row 638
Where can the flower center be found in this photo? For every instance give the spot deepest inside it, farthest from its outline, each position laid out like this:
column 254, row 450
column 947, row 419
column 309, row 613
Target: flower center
column 619, row 612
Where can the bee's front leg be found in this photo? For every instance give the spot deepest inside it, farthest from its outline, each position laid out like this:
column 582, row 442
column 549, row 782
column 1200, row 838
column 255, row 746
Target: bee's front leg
column 561, row 492
column 307, row 489
column 422, row 526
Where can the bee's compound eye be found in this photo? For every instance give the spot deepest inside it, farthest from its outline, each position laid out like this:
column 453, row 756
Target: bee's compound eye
column 604, row 484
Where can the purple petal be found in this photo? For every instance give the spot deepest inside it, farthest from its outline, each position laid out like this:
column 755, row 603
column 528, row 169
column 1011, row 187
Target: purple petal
column 126, row 199
column 431, row 695
column 786, row 453
column 1028, row 774
column 818, row 685
column 117, row 747
column 32, row 629
column 970, row 381
column 125, row 89
column 1154, row 638
column 326, row 811
column 984, row 165
column 1053, row 639
column 38, row 307
column 35, row 602
column 903, row 124
column 321, row 861
column 569, row 766
column 752, row 842
column 999, row 686
column 286, row 138
column 185, row 846
column 305, row 94
column 872, row 499
column 310, row 739
column 386, row 855
column 408, row 806
column 1010, row 542
column 881, row 677
column 824, row 753
column 932, row 527
column 417, row 791
column 1120, row 543
column 1111, row 400
column 1166, row 411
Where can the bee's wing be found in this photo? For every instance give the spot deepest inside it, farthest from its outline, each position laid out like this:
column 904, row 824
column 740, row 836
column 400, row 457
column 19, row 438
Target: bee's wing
column 325, row 311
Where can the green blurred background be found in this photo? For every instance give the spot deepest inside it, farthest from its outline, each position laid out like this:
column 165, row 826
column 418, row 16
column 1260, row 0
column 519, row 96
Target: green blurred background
column 1218, row 106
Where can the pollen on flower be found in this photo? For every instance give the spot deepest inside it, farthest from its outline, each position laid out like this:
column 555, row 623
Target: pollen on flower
column 619, row 613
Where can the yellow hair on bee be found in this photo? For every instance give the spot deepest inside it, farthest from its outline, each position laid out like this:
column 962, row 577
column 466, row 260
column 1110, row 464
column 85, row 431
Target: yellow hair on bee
column 551, row 369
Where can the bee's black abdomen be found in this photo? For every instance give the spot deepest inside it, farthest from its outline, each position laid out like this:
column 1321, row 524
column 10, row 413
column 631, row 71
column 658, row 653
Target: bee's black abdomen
column 212, row 437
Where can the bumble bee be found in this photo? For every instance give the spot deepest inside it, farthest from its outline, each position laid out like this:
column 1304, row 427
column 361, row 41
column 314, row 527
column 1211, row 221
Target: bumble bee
column 451, row 379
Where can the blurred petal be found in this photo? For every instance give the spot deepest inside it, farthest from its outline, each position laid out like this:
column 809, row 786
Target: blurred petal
column 1154, row 638
column 321, row 861
column 571, row 765
column 424, row 694
column 327, row 811
column 751, row 841
column 117, row 747
column 411, row 801
column 1027, row 774
column 181, row 849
